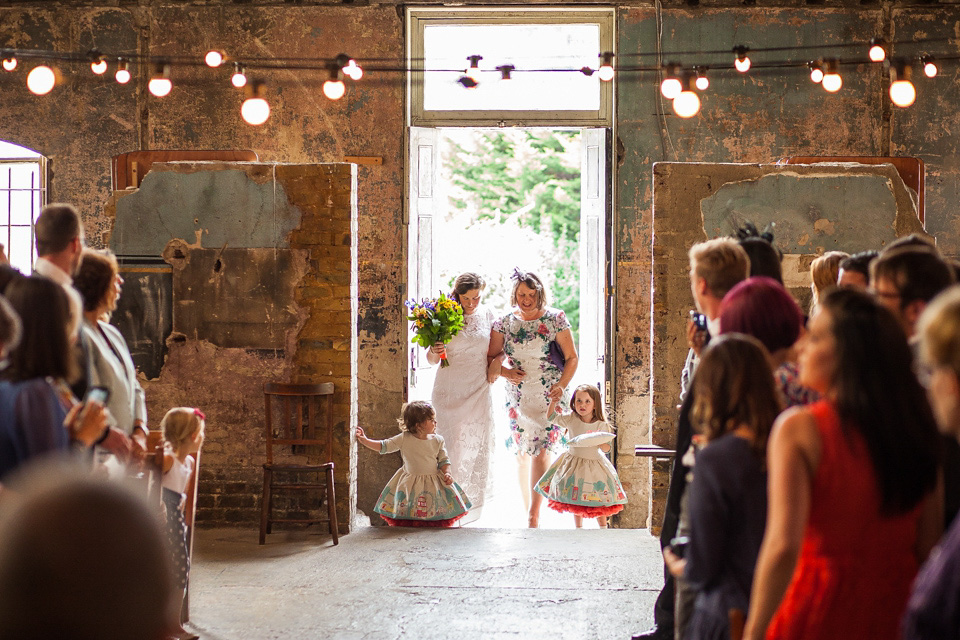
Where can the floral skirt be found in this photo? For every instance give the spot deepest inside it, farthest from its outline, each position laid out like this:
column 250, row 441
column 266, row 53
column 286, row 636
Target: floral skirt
column 409, row 498
column 586, row 487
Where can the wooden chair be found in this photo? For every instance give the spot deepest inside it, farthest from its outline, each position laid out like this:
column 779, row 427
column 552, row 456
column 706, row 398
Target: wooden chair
column 299, row 425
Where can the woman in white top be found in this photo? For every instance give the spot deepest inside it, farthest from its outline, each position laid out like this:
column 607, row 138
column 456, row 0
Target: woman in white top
column 99, row 283
column 461, row 393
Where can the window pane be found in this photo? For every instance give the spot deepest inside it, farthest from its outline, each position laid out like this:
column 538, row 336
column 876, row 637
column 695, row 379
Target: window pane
column 21, row 249
column 525, row 46
column 21, row 207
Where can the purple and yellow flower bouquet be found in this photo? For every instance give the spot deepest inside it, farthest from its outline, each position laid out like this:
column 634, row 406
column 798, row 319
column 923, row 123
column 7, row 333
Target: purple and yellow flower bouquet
column 435, row 321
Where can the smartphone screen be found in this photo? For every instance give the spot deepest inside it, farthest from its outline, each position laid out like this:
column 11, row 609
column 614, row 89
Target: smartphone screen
column 97, row 395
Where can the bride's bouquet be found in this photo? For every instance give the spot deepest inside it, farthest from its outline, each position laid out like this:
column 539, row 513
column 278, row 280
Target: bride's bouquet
column 435, row 321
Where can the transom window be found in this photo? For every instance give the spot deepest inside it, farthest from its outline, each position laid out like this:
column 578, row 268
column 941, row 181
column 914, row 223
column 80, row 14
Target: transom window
column 23, row 192
column 546, row 49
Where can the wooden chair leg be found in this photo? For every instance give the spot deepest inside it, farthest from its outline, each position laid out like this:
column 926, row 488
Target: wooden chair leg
column 265, row 504
column 332, row 505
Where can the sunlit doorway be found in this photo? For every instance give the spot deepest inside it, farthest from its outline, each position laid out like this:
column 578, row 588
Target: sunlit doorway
column 511, row 173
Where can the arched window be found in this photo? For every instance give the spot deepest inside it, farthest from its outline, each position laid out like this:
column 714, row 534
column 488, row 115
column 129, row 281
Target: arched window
column 23, row 192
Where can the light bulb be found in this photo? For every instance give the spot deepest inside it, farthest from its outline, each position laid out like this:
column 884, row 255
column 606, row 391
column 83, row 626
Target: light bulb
column 41, row 80
column 255, row 111
column 878, row 52
column 99, row 67
column 902, row 93
column 670, row 88
column 213, row 58
column 742, row 62
column 160, row 84
column 606, row 72
column 930, row 68
column 816, row 73
column 832, row 82
column 505, row 71
column 238, row 79
column 9, row 63
column 702, row 82
column 353, row 70
column 334, row 89
column 686, row 104
column 473, row 71
column 123, row 73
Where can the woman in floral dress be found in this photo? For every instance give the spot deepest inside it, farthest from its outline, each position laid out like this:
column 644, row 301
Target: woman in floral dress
column 523, row 339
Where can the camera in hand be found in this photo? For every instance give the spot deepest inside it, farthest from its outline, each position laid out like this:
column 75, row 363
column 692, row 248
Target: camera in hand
column 97, row 395
column 678, row 545
column 699, row 320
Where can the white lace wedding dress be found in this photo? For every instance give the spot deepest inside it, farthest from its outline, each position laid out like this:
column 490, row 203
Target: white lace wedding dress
column 461, row 398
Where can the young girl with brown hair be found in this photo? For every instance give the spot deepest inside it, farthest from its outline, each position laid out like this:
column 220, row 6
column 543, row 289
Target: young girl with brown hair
column 422, row 492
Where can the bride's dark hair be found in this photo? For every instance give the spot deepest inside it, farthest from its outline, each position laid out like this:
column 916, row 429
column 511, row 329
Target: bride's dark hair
column 467, row 281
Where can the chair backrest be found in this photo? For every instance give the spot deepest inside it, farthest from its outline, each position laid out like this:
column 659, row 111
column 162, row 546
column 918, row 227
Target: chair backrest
column 153, row 463
column 294, row 416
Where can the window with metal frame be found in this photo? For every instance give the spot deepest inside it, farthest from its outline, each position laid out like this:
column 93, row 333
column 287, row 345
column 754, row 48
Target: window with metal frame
column 528, row 66
column 23, row 192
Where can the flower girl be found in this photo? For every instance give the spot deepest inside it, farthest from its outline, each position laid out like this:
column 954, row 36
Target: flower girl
column 422, row 492
column 582, row 481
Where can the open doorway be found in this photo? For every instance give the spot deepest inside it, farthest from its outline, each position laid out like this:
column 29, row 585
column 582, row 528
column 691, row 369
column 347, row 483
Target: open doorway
column 496, row 199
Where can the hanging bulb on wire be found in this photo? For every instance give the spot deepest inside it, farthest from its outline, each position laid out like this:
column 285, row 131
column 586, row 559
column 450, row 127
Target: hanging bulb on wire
column 816, row 72
column 239, row 78
column 9, row 61
column 473, row 71
column 832, row 81
column 742, row 61
column 41, row 80
column 702, row 81
column 213, row 59
column 123, row 72
column 97, row 63
column 929, row 67
column 605, row 72
column 878, row 50
column 687, row 102
column 255, row 109
column 353, row 70
column 902, row 92
column 160, row 84
column 505, row 71
column 334, row 87
column 671, row 86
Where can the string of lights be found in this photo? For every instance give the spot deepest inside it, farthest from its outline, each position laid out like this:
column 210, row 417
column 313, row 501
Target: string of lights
column 681, row 80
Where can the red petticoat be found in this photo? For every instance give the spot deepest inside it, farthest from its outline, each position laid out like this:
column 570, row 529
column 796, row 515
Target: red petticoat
column 585, row 512
column 449, row 522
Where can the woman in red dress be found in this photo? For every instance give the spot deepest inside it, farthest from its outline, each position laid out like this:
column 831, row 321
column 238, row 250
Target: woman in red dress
column 854, row 504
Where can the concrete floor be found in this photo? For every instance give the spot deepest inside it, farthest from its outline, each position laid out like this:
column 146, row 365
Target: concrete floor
column 384, row 582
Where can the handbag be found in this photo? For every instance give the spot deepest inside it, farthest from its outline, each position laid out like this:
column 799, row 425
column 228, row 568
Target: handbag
column 555, row 355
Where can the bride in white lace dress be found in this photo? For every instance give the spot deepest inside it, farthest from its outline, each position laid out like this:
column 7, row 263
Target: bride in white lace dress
column 461, row 394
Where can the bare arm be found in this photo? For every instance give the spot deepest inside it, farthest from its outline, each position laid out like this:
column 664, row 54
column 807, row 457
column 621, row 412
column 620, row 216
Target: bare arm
column 435, row 352
column 571, row 360
column 792, row 458
column 495, row 358
column 373, row 445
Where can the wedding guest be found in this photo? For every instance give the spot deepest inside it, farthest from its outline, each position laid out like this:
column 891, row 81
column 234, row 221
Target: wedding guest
column 38, row 409
column 528, row 336
column 933, row 611
column 764, row 257
column 99, row 283
column 461, row 393
column 82, row 559
column 716, row 266
column 735, row 408
column 824, row 271
column 762, row 308
column 853, row 501
column 855, row 270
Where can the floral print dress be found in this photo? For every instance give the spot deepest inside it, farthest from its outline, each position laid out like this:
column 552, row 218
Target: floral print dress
column 526, row 344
